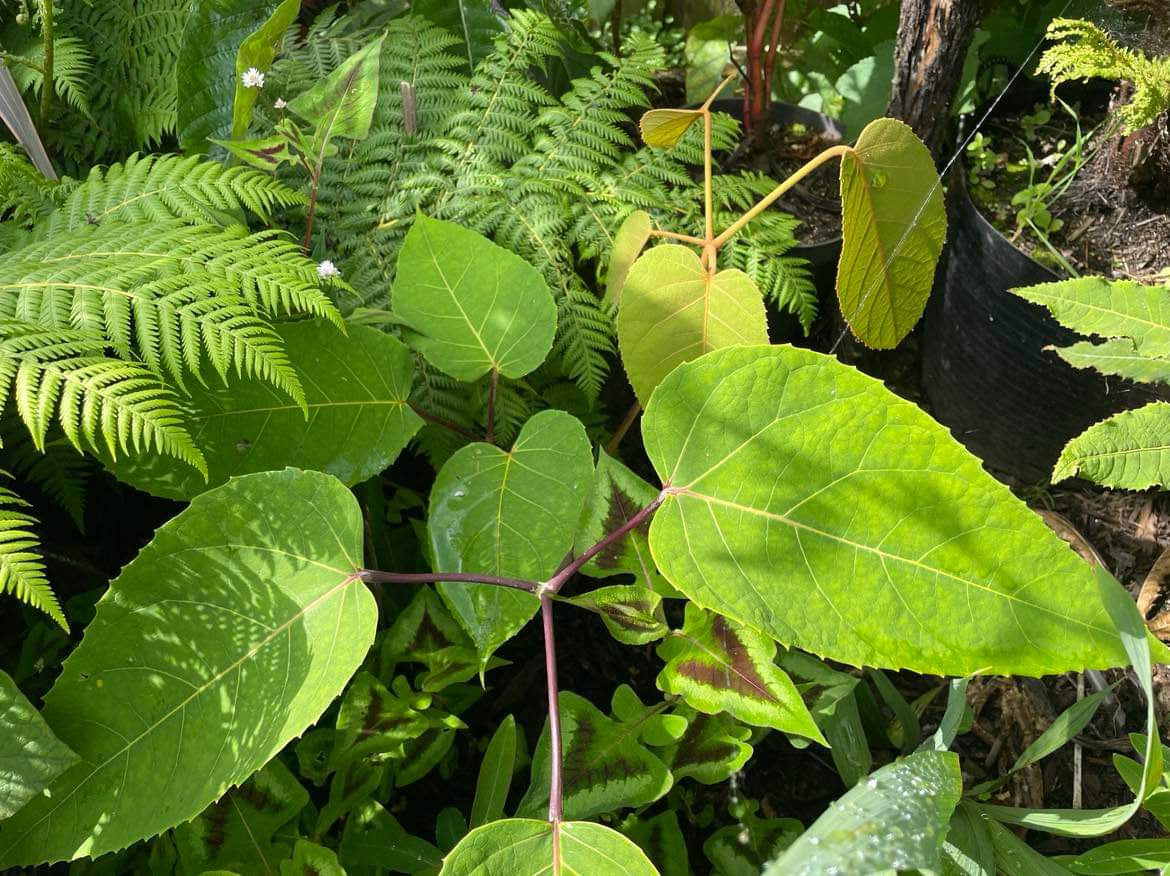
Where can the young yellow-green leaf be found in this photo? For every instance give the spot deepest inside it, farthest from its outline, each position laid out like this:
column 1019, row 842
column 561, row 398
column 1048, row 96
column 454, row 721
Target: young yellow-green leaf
column 342, row 104
column 631, row 613
column 30, row 755
column 606, row 766
column 617, row 495
column 915, row 796
column 1116, row 356
column 219, row 643
column 356, row 391
column 527, row 847
column 258, row 50
column 893, row 225
column 495, row 775
column 673, row 311
column 310, row 859
column 471, row 305
column 713, row 748
column 628, row 243
column 510, row 514
column 717, row 666
column 236, row 831
column 1110, row 309
column 810, row 503
column 1130, row 450
column 374, row 838
column 665, row 127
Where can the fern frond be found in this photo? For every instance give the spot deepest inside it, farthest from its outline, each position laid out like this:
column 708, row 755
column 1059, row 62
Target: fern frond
column 585, row 338
column 169, row 293
column 72, row 64
column 153, row 187
column 1087, row 52
column 102, row 404
column 447, row 399
column 22, row 573
column 25, row 194
column 58, row 470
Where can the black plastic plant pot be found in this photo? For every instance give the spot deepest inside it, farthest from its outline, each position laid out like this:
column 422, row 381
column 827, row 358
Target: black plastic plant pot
column 985, row 369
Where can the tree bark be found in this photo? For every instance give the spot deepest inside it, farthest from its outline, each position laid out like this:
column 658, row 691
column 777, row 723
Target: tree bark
column 932, row 43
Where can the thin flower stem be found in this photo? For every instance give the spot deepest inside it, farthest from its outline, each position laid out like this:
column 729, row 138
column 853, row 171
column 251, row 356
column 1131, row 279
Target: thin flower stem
column 489, row 434
column 373, row 576
column 779, row 192
column 556, row 782
column 623, row 428
column 557, row 581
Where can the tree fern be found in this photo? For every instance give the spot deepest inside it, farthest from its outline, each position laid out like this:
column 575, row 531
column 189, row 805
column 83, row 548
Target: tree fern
column 154, row 187
column 22, row 573
column 25, row 194
column 102, row 404
column 1086, row 52
column 169, row 293
column 57, row 470
column 72, row 66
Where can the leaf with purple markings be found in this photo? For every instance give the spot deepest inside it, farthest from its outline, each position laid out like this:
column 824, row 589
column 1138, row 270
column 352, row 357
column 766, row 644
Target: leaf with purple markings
column 236, row 831
column 631, row 613
column 720, row 666
column 714, row 748
column 422, row 629
column 374, row 722
column 605, row 765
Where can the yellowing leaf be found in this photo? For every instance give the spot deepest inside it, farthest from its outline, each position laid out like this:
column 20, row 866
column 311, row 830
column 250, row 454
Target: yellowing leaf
column 665, row 127
column 893, row 228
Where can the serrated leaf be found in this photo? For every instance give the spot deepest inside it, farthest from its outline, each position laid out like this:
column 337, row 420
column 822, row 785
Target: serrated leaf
column 30, row 755
column 240, row 621
column 663, row 842
column 717, row 666
column 628, row 243
column 236, row 831
column 472, row 305
column 713, row 748
column 310, row 859
column 632, row 614
column 617, row 495
column 1128, row 450
column 374, row 838
column 665, row 127
column 511, row 514
column 1109, row 309
column 495, row 775
column 1117, row 356
column 357, row 387
column 526, row 847
column 605, row 765
column 476, row 22
column 673, row 311
column 911, row 799
column 893, row 225
column 342, row 104
column 812, row 504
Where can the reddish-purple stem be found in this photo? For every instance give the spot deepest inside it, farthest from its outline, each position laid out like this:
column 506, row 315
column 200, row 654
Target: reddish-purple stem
column 446, row 424
column 556, row 781
column 373, row 576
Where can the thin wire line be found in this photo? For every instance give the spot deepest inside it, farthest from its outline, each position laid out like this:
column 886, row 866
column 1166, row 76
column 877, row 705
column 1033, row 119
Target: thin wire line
column 942, row 175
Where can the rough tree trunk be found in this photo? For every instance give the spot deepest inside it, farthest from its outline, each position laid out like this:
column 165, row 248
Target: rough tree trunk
column 933, row 38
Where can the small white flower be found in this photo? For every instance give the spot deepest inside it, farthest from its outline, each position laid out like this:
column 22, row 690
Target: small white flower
column 252, row 78
column 327, row 270
column 280, row 103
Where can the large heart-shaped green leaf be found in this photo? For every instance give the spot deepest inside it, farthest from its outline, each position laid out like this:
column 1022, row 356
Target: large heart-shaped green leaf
column 526, row 847
column 30, row 755
column 472, row 305
column 914, row 797
column 893, row 225
column 811, row 503
column 511, row 514
column 356, row 391
column 673, row 310
column 221, row 641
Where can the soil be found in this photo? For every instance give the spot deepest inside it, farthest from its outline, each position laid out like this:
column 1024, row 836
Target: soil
column 1115, row 222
